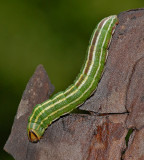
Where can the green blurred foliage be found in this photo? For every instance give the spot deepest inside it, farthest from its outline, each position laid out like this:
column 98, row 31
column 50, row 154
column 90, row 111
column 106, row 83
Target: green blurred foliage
column 52, row 33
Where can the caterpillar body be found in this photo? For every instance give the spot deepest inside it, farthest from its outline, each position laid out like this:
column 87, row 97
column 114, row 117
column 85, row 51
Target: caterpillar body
column 84, row 85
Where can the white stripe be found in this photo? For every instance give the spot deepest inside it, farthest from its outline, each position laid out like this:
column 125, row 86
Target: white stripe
column 94, row 76
column 96, row 43
column 72, row 86
column 97, row 28
column 92, row 81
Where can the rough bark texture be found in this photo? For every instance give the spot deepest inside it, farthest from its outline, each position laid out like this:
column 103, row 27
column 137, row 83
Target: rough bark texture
column 135, row 150
column 37, row 90
column 119, row 102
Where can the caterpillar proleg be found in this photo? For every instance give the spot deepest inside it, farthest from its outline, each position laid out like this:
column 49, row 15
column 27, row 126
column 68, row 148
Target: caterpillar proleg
column 85, row 83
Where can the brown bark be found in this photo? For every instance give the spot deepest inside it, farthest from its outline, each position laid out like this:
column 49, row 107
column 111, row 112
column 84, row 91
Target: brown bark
column 116, row 106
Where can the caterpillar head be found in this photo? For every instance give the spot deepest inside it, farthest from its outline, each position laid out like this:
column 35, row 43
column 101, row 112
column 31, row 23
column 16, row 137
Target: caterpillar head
column 35, row 132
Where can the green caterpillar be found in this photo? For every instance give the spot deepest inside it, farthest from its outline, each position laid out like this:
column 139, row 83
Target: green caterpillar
column 84, row 85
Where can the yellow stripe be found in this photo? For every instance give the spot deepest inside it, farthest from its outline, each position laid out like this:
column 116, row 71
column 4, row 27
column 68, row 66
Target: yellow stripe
column 52, row 105
column 91, row 83
column 37, row 109
column 79, row 77
column 52, row 99
column 46, row 109
column 64, row 98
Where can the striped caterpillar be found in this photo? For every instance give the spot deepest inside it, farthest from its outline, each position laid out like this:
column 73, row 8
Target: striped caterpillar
column 84, row 85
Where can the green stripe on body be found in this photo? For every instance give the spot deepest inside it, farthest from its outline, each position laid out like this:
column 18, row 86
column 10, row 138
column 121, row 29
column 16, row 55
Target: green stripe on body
column 64, row 102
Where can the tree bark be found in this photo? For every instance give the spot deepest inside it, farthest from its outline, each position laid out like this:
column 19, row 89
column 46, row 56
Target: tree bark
column 116, row 107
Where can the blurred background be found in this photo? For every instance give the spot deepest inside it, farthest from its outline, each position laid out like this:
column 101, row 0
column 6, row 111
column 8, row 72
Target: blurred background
column 53, row 33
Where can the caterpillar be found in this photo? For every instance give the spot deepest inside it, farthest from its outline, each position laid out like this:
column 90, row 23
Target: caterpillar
column 84, row 85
